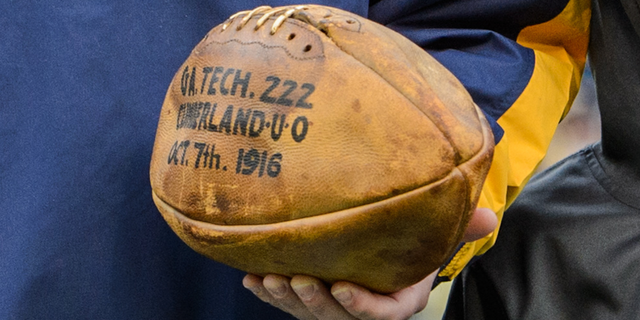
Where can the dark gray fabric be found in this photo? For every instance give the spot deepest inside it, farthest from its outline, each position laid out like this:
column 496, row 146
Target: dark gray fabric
column 569, row 248
column 615, row 59
column 632, row 7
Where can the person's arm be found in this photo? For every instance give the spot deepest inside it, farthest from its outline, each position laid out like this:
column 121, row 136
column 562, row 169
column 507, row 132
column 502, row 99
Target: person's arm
column 614, row 53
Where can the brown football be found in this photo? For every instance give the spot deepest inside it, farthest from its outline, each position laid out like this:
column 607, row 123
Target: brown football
column 309, row 140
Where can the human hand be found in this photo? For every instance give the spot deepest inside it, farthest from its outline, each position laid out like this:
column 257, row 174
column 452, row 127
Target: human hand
column 309, row 298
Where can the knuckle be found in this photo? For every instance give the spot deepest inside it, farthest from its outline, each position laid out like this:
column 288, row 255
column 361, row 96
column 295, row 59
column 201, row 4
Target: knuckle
column 262, row 294
column 288, row 303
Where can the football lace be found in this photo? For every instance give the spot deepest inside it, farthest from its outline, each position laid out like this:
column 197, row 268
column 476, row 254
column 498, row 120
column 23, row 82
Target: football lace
column 267, row 12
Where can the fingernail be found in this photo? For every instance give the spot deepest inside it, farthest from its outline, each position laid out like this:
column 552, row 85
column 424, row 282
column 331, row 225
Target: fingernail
column 305, row 291
column 255, row 290
column 278, row 291
column 343, row 295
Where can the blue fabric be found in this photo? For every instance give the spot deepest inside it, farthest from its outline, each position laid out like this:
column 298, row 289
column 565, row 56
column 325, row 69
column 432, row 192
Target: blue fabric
column 82, row 84
column 81, row 87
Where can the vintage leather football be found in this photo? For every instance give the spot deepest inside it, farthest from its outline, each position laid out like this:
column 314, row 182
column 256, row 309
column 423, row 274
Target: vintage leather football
column 309, row 140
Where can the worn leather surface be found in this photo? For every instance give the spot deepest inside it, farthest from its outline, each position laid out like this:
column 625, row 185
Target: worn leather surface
column 333, row 147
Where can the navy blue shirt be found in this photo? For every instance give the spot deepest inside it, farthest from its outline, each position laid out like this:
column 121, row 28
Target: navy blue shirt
column 81, row 87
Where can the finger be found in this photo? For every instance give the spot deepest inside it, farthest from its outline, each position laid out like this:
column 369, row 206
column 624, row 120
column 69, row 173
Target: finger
column 284, row 298
column 483, row 222
column 254, row 284
column 364, row 304
column 318, row 300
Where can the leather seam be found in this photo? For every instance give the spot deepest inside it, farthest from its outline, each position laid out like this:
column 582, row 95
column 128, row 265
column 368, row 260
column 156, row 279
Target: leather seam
column 283, row 47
